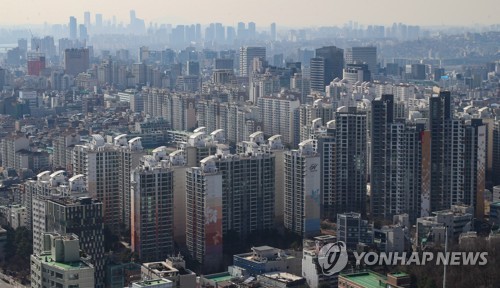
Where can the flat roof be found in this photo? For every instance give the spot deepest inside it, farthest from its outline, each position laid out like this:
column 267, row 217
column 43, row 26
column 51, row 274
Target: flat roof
column 219, row 277
column 366, row 279
column 154, row 282
column 399, row 274
column 66, row 266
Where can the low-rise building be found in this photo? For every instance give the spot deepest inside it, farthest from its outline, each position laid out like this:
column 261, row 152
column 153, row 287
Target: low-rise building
column 157, row 283
column 369, row 279
column 264, row 259
column 390, row 238
column 311, row 269
column 352, row 229
column 60, row 264
column 281, row 280
column 454, row 221
column 173, row 269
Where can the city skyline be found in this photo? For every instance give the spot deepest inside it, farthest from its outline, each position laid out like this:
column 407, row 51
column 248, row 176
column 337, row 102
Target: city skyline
column 327, row 13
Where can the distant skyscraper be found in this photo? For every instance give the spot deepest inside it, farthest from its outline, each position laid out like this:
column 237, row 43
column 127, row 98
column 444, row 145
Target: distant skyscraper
column 132, row 17
column 86, row 19
column 418, row 71
column 247, row 54
column 193, row 68
column 98, row 21
column 302, row 190
column 252, row 31
column 273, row 32
column 360, row 55
column 83, row 33
column 36, row 63
column 317, row 74
column 242, row 33
column 72, row 28
column 76, row 61
column 152, row 207
column 333, row 65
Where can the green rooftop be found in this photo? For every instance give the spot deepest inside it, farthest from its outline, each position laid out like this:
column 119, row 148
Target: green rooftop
column 66, row 266
column 219, row 277
column 366, row 279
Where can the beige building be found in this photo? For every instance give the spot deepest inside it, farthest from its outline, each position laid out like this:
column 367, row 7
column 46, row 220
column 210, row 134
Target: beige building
column 60, row 264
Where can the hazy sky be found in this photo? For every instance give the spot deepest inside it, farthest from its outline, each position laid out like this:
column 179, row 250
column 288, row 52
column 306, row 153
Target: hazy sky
column 292, row 13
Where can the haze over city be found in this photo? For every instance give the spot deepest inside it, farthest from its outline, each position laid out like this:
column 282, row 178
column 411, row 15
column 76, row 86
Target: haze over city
column 286, row 13
column 249, row 144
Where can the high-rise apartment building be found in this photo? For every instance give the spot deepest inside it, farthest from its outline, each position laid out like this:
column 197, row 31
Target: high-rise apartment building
column 130, row 152
column 351, row 161
column 63, row 145
column 325, row 141
column 248, row 188
column 152, row 214
column 279, row 116
column 247, row 55
column 309, row 112
column 475, row 166
column 396, row 166
column 100, row 163
column 447, row 152
column 179, row 110
column 303, row 190
column 107, row 167
column 204, row 214
column 10, row 145
column 496, row 154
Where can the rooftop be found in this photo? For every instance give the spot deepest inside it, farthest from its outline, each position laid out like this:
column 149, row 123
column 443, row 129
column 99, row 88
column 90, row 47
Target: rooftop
column 47, row 259
column 282, row 277
column 147, row 283
column 219, row 277
column 366, row 279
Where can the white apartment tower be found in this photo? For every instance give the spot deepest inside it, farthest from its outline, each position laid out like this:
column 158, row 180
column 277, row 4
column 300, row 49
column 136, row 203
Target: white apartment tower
column 303, row 190
column 100, row 163
column 278, row 116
